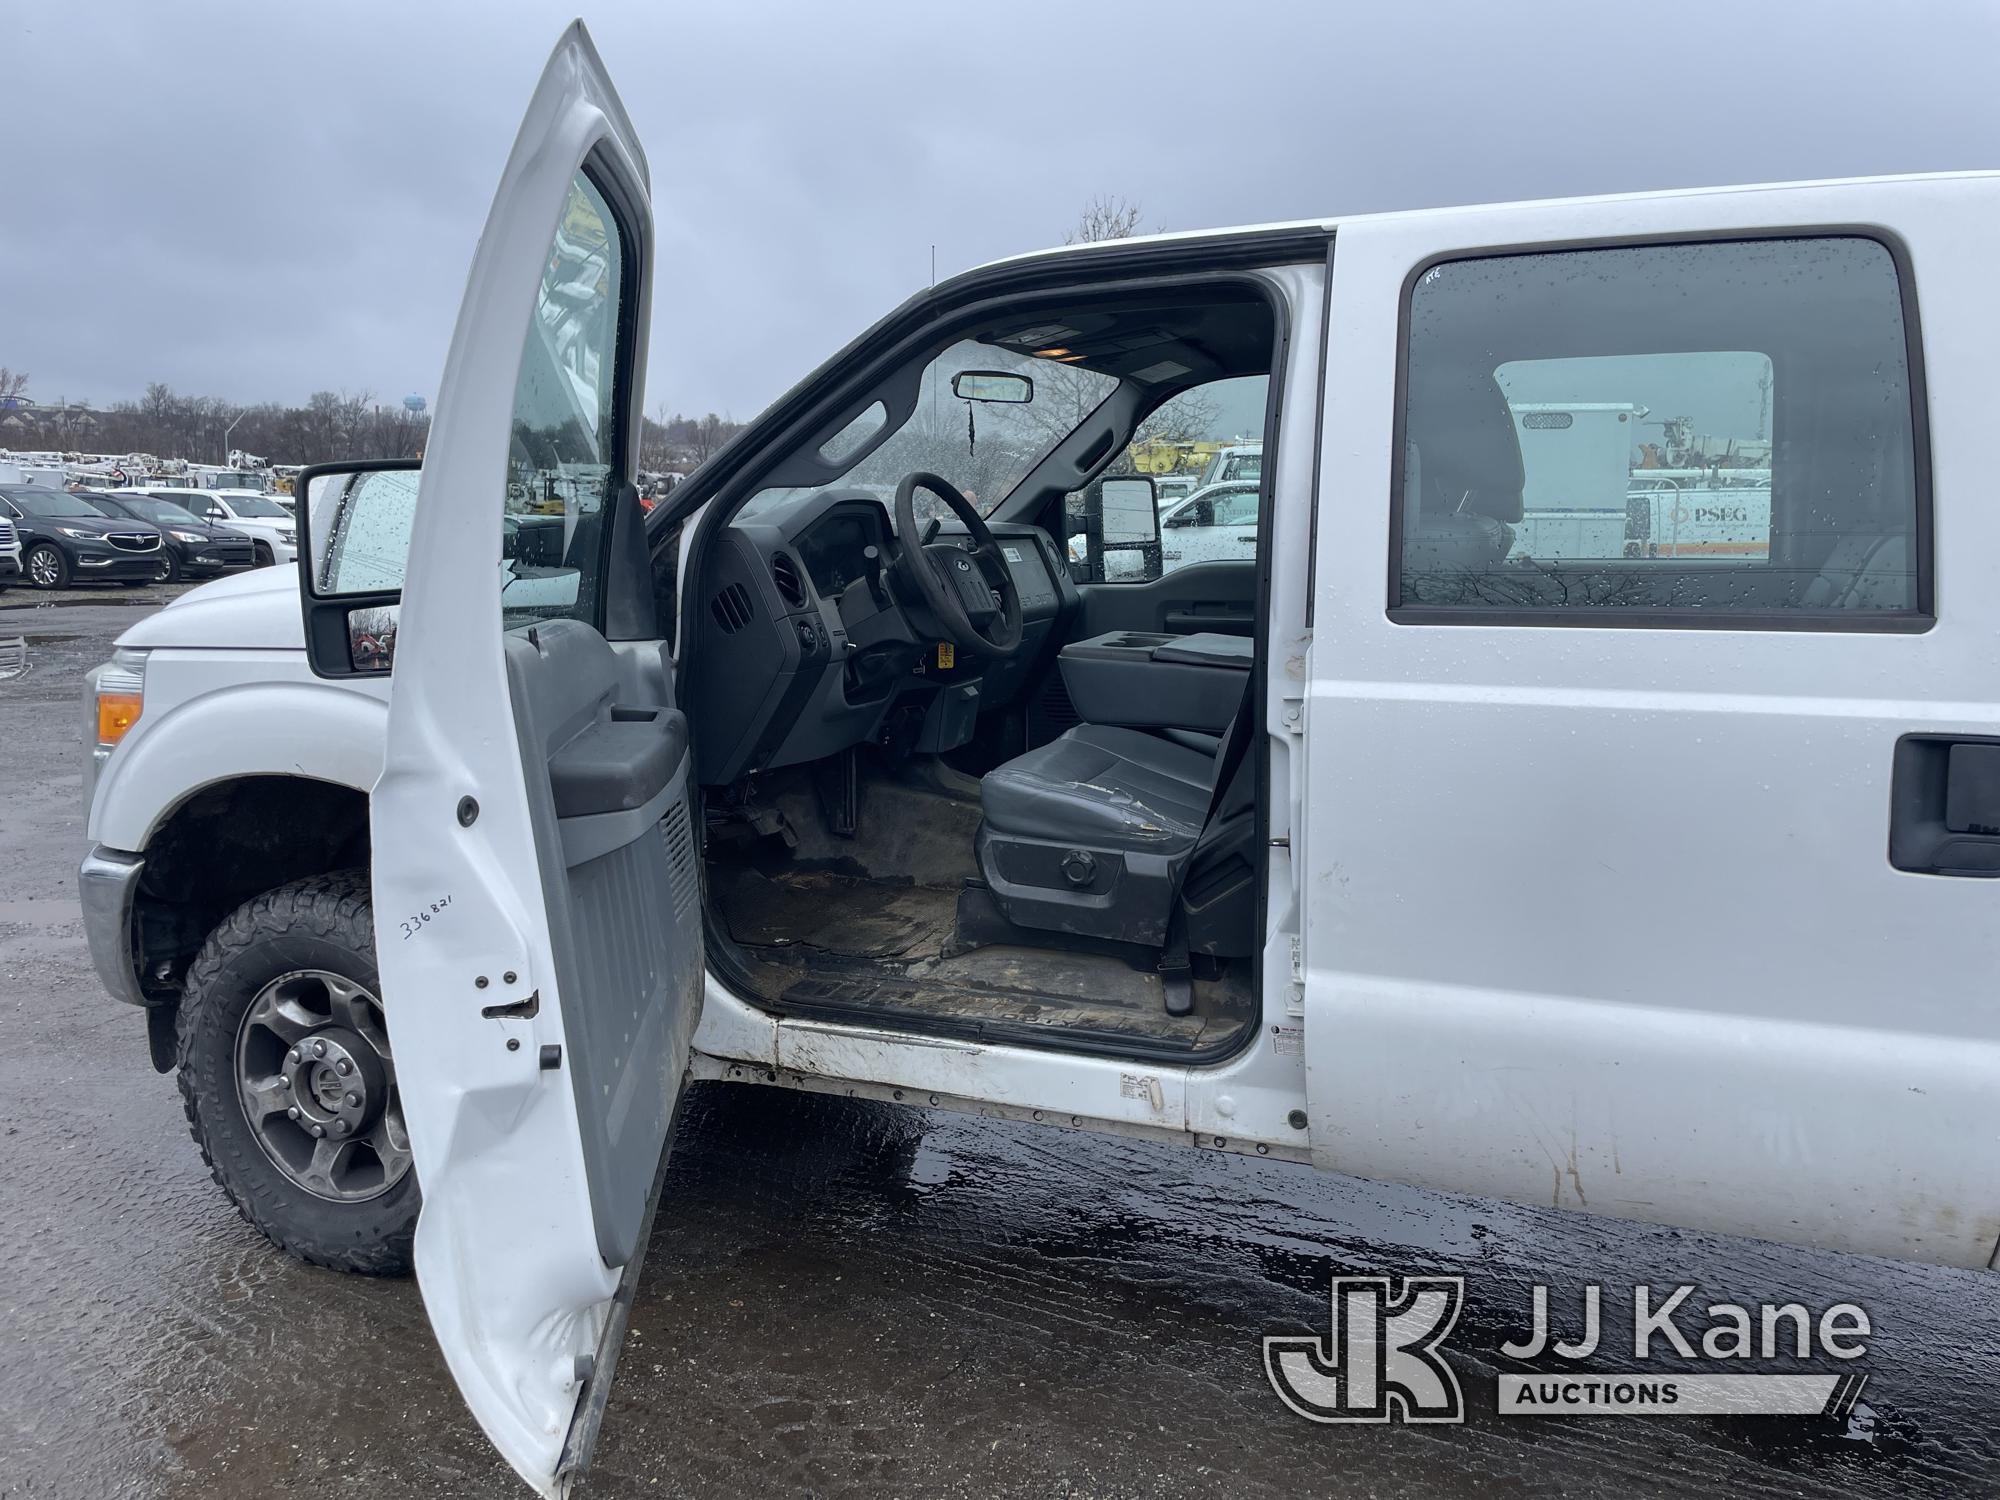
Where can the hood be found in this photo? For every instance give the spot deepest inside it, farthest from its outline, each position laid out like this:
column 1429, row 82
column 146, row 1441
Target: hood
column 95, row 524
column 227, row 529
column 258, row 610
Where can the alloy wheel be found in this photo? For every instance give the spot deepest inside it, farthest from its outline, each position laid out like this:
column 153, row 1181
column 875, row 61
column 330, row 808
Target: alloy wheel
column 318, row 1086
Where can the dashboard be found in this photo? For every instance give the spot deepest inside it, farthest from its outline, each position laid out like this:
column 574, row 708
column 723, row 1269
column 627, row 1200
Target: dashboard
column 835, row 547
column 808, row 646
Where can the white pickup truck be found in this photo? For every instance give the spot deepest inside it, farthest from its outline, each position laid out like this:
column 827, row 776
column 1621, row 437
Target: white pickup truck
column 1655, row 886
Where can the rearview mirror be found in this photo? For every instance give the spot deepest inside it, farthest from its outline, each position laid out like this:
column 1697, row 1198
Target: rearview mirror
column 993, row 385
column 354, row 540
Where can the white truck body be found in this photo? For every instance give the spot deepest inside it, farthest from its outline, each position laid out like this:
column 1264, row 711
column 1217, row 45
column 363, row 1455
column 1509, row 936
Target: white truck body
column 1474, row 824
column 1578, row 456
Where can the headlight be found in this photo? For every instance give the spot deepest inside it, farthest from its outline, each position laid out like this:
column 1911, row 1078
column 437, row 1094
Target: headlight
column 80, row 534
column 287, row 535
column 188, row 536
column 117, row 695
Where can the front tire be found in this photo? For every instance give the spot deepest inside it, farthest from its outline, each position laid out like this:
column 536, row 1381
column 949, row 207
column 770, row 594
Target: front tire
column 280, row 1006
column 46, row 566
column 265, row 557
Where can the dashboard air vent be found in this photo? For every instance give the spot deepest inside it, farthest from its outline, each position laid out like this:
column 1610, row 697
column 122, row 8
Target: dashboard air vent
column 731, row 608
column 785, row 574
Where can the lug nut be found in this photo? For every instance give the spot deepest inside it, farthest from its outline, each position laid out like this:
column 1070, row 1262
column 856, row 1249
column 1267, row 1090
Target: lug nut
column 340, row 1127
column 319, row 1049
column 354, row 1101
column 296, row 1055
column 292, row 1113
column 344, row 1066
column 284, row 1082
column 319, row 1130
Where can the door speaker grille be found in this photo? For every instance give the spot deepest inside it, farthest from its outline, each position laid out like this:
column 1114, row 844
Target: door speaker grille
column 683, row 875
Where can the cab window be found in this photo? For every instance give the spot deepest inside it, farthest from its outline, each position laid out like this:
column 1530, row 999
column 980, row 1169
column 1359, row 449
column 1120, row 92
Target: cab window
column 1720, row 429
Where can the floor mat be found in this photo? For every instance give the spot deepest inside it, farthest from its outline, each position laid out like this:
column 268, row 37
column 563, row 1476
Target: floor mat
column 824, row 940
column 832, row 913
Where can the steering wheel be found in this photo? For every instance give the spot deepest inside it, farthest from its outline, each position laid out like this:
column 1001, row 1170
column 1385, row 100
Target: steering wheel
column 969, row 590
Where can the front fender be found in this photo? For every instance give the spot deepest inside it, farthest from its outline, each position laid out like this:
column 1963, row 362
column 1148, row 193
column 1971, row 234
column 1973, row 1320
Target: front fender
column 311, row 728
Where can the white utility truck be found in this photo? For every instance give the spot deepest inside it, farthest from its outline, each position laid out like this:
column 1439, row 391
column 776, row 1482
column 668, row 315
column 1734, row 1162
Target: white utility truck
column 1350, row 851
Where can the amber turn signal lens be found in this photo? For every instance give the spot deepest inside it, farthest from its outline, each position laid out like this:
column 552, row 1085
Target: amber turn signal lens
column 116, row 713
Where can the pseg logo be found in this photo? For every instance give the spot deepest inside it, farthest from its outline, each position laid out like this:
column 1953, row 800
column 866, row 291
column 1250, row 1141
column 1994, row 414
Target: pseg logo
column 1380, row 1360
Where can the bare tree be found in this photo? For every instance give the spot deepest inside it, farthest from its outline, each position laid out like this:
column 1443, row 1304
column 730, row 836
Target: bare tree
column 1187, row 418
column 1105, row 217
column 707, row 435
column 12, row 384
column 655, row 450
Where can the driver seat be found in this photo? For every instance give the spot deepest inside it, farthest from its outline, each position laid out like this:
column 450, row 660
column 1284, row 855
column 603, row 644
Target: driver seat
column 1097, row 835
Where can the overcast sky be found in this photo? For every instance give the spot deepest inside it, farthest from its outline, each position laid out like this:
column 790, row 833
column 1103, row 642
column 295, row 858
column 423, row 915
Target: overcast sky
column 260, row 200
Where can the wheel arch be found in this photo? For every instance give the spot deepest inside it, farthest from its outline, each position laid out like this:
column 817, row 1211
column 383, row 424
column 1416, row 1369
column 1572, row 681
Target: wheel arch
column 223, row 845
column 306, row 730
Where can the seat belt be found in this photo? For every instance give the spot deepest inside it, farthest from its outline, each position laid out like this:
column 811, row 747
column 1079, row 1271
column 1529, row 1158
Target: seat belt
column 1175, row 970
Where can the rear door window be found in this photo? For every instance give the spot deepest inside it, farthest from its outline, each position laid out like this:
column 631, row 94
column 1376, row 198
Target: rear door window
column 1713, row 429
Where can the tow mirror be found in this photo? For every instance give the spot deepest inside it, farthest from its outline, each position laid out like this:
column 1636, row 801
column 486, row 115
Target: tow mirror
column 1121, row 531
column 354, row 541
column 993, row 385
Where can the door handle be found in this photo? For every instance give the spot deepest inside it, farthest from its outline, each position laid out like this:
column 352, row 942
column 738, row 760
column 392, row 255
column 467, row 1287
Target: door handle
column 1944, row 805
column 1189, row 622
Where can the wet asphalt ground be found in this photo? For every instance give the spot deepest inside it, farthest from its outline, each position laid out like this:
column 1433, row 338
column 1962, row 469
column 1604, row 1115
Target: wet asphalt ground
column 840, row 1298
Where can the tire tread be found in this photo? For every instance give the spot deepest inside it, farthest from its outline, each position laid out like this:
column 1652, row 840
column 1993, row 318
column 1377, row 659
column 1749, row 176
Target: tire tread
column 335, row 907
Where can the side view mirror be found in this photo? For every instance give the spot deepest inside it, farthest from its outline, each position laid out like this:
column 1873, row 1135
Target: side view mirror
column 1121, row 530
column 354, row 540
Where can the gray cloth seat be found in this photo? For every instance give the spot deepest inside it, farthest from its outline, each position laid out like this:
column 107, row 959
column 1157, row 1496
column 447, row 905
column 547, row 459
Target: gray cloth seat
column 1102, row 787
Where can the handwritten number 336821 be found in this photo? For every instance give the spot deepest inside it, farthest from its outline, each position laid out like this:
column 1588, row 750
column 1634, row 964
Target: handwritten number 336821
column 415, row 924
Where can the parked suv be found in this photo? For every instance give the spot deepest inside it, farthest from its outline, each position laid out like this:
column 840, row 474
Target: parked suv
column 194, row 548
column 10, row 553
column 1213, row 523
column 272, row 531
column 65, row 539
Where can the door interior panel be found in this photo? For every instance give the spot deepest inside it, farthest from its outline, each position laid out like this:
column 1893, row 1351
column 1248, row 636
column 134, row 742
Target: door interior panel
column 607, row 781
column 1217, row 596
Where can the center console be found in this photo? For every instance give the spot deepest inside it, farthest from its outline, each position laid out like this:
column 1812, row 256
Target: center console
column 1147, row 681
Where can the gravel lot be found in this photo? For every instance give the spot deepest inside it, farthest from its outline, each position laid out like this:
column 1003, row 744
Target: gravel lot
column 840, row 1298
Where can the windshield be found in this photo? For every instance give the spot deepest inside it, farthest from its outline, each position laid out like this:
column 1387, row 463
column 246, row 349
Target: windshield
column 256, row 505
column 41, row 502
column 985, row 448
